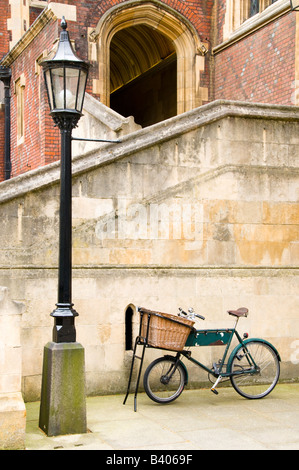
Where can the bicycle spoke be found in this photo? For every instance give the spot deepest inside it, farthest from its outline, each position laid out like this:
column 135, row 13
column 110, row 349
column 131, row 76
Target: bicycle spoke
column 262, row 378
column 163, row 381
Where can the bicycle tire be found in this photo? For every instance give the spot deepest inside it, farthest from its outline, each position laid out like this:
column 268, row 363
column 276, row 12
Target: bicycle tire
column 255, row 385
column 161, row 382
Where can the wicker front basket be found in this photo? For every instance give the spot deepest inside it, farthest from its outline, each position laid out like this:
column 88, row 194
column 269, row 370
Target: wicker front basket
column 165, row 331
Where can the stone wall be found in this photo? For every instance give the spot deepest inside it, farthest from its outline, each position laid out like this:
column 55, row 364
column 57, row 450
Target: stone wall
column 200, row 210
column 12, row 408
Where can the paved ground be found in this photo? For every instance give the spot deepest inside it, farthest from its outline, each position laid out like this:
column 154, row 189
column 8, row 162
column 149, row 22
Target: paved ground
column 198, row 420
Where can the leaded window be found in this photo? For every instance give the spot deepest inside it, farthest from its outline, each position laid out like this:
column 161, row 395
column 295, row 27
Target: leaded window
column 257, row 6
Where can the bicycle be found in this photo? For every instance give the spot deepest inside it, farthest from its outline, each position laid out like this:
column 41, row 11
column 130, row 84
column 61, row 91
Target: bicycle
column 253, row 367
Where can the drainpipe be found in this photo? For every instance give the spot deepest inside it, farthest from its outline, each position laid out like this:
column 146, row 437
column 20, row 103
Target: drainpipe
column 5, row 76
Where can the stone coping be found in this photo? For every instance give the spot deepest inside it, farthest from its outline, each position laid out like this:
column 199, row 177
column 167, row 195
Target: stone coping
column 34, row 30
column 141, row 139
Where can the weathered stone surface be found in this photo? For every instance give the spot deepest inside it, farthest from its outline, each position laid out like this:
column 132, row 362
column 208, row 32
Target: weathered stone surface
column 201, row 210
column 13, row 421
column 63, row 395
column 12, row 407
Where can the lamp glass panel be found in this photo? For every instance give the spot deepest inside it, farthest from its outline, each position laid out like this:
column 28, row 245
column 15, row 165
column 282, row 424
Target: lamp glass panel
column 58, row 88
column 81, row 90
column 71, row 87
column 49, row 88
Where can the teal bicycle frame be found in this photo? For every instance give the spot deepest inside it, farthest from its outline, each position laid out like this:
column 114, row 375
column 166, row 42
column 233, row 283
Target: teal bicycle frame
column 205, row 337
column 221, row 337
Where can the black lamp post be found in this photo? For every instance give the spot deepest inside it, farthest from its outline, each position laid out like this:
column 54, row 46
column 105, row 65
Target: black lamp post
column 65, row 77
column 63, row 399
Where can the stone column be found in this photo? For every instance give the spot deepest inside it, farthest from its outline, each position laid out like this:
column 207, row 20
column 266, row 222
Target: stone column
column 12, row 407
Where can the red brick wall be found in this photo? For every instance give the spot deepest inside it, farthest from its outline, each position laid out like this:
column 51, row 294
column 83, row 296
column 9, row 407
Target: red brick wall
column 4, row 47
column 197, row 12
column 5, row 35
column 41, row 140
column 219, row 21
column 33, row 14
column 260, row 67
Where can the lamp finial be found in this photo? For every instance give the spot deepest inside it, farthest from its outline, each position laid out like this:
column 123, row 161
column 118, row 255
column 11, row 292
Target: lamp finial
column 63, row 23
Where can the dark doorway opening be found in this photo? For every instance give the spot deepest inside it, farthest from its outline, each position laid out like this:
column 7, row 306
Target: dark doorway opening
column 129, row 329
column 151, row 97
column 143, row 75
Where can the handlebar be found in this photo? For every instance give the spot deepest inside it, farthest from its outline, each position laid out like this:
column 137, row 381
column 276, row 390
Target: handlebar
column 191, row 314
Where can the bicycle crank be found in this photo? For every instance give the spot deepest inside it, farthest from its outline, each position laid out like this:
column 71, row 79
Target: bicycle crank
column 213, row 389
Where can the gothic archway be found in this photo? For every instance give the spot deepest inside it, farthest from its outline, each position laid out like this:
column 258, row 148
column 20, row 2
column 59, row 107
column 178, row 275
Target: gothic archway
column 168, row 29
column 143, row 75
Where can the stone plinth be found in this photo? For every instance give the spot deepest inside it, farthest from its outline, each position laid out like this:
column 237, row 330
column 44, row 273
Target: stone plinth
column 12, row 407
column 63, row 399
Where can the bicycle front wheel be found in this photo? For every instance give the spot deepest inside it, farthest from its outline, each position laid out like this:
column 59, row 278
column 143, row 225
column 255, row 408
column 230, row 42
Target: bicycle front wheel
column 256, row 368
column 164, row 381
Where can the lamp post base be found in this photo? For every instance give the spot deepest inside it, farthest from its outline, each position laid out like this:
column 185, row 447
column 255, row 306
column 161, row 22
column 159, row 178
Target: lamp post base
column 63, row 396
column 64, row 330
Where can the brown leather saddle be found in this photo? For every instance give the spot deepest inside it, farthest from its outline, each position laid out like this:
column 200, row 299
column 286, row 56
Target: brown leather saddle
column 241, row 312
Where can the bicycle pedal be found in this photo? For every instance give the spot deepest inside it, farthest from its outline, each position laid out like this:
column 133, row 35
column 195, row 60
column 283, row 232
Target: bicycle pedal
column 214, row 391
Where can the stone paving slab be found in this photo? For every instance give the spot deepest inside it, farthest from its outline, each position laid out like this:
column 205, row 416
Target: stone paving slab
column 197, row 420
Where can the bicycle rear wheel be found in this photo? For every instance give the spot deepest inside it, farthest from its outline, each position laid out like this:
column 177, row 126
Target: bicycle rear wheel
column 257, row 370
column 164, row 381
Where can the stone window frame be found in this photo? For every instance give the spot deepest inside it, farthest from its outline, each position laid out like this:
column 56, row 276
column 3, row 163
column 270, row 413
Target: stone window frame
column 239, row 11
column 234, row 30
column 189, row 49
column 258, row 6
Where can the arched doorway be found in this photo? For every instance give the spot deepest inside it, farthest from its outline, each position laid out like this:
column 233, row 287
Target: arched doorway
column 143, row 75
column 129, row 329
column 158, row 28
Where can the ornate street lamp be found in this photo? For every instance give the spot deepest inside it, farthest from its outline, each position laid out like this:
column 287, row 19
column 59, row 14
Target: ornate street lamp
column 295, row 5
column 63, row 397
column 65, row 77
